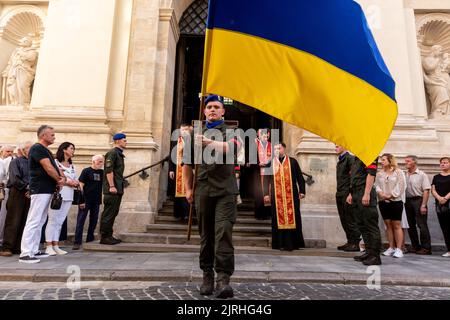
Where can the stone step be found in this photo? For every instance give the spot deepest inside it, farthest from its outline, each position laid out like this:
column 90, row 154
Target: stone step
column 241, row 221
column 149, row 247
column 181, row 239
column 241, row 213
column 168, row 207
column 181, row 229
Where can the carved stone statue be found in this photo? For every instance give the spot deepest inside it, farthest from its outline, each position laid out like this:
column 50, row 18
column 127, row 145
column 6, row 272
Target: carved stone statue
column 437, row 81
column 20, row 73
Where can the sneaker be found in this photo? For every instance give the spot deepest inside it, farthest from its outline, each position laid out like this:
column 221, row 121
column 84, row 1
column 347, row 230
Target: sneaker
column 446, row 255
column 50, row 251
column 398, row 253
column 41, row 254
column 59, row 251
column 389, row 252
column 29, row 260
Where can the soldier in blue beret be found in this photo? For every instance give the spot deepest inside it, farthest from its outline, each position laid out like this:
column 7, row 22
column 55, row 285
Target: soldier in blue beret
column 215, row 200
column 113, row 188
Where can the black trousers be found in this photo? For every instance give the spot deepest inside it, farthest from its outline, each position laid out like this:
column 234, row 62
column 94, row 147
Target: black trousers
column 417, row 219
column 348, row 220
column 17, row 211
column 181, row 208
column 110, row 211
column 444, row 221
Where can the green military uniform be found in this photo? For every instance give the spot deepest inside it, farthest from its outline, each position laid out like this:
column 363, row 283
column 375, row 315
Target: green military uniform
column 346, row 214
column 215, row 204
column 114, row 162
column 366, row 216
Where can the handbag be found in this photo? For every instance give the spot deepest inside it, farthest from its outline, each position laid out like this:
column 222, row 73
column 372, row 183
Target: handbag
column 78, row 197
column 56, row 202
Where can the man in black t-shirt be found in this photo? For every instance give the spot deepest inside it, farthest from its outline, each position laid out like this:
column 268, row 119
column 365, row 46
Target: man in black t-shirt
column 45, row 178
column 91, row 181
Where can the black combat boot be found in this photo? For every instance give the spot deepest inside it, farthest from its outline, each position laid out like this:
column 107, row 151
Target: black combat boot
column 351, row 247
column 223, row 288
column 372, row 260
column 362, row 257
column 207, row 287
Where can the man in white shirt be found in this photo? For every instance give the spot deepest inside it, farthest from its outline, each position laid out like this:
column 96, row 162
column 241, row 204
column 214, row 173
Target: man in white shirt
column 417, row 193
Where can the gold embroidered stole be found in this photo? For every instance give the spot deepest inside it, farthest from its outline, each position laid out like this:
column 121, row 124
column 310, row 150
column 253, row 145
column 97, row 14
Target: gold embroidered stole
column 179, row 178
column 284, row 194
column 264, row 155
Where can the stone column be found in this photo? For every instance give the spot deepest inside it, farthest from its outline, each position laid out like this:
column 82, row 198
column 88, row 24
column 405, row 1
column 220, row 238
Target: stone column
column 70, row 89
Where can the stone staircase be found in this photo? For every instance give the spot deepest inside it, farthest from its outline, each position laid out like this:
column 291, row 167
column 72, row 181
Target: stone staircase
column 170, row 235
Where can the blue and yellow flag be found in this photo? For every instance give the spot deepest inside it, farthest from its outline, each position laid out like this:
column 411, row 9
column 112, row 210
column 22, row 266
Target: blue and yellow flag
column 311, row 63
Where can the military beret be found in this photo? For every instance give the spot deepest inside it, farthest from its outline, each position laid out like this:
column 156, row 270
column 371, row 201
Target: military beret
column 214, row 97
column 119, row 136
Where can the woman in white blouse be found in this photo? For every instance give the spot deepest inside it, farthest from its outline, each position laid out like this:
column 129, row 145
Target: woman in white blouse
column 390, row 185
column 56, row 217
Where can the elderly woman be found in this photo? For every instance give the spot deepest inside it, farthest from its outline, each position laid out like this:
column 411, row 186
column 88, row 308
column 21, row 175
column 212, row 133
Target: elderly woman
column 56, row 217
column 390, row 185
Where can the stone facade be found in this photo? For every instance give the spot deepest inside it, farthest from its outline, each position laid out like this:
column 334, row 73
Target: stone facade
column 109, row 65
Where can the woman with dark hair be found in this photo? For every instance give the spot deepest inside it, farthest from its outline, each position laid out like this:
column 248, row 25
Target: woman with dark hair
column 56, row 217
column 440, row 188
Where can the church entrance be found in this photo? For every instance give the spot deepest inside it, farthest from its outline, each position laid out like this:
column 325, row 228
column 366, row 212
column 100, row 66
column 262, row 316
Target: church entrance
column 188, row 81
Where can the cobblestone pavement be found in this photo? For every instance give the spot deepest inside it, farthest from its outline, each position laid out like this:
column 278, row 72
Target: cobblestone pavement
column 189, row 291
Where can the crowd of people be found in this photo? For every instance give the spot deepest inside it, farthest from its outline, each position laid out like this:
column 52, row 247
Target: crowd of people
column 401, row 198
column 38, row 189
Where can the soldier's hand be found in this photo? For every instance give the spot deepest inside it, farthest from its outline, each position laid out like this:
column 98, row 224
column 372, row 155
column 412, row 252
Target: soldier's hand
column 366, row 200
column 349, row 199
column 302, row 196
column 82, row 206
column 112, row 190
column 189, row 196
column 172, row 175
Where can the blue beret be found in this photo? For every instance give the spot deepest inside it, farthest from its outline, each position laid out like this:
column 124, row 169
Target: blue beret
column 214, row 97
column 119, row 136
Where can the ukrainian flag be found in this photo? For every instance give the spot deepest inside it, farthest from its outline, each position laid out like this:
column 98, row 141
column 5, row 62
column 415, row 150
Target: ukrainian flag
column 311, row 63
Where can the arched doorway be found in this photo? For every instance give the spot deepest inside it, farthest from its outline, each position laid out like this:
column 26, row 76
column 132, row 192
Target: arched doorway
column 188, row 79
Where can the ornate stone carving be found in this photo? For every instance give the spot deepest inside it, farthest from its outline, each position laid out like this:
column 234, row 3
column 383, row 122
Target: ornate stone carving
column 20, row 21
column 19, row 74
column 434, row 42
column 437, row 81
column 23, row 25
